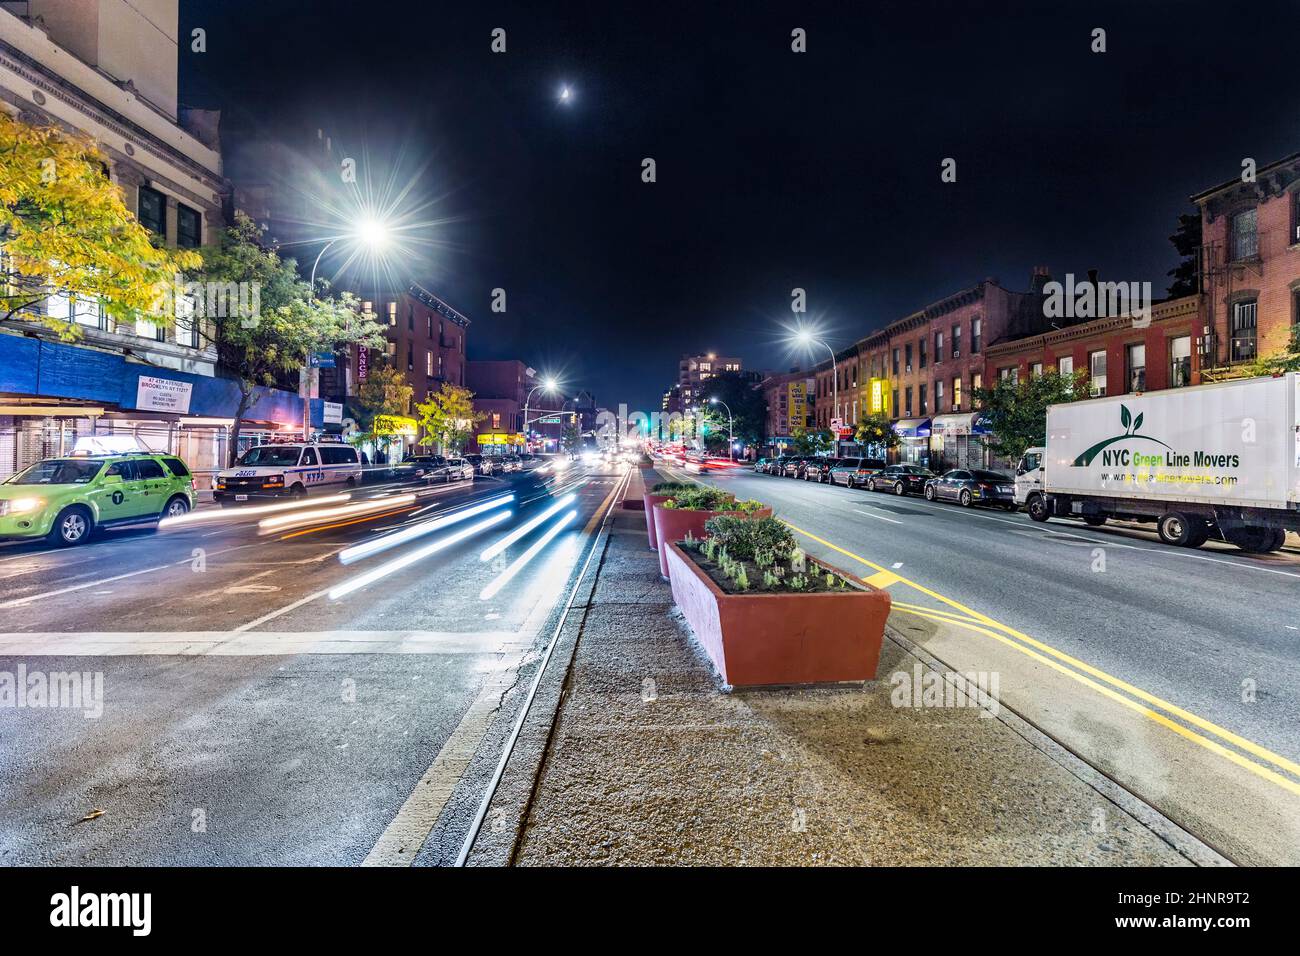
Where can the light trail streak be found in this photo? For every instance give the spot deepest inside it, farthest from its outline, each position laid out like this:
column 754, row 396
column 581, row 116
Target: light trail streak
column 502, row 579
column 493, row 550
column 234, row 513
column 383, row 543
column 406, row 560
column 282, row 522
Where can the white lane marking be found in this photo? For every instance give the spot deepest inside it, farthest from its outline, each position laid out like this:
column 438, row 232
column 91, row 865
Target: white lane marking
column 18, row 602
column 284, row 610
column 873, row 515
column 260, row 644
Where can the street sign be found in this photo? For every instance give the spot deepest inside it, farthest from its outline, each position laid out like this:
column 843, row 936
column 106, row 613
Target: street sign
column 552, row 420
column 322, row 360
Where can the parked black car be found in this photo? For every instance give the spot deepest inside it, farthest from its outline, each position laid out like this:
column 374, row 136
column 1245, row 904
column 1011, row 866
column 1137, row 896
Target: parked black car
column 792, row 465
column 776, row 466
column 819, row 469
column 901, row 479
column 973, row 486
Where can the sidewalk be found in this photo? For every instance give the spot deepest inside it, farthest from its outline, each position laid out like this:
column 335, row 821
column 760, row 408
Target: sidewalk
column 651, row 763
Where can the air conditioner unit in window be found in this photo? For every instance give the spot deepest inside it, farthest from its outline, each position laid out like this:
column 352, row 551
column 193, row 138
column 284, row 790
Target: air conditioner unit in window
column 957, row 354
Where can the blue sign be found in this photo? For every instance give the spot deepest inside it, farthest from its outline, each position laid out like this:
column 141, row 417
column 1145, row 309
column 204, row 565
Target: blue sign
column 322, row 360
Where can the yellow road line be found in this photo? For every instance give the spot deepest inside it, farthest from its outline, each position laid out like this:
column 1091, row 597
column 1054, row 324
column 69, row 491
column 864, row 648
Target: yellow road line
column 1213, row 746
column 1237, row 741
column 882, row 579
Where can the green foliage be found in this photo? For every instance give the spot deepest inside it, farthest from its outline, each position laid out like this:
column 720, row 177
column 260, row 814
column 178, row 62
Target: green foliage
column 1017, row 411
column 1187, row 240
column 447, row 418
column 814, row 442
column 671, row 487
column 748, row 538
column 701, row 498
column 748, row 409
column 876, row 429
column 1287, row 360
column 570, row 437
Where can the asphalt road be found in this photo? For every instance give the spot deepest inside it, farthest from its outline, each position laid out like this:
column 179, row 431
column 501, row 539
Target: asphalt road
column 249, row 716
column 1175, row 671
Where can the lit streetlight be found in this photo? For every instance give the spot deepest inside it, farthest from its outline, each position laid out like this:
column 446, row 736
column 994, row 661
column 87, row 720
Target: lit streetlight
column 731, row 435
column 548, row 385
column 805, row 338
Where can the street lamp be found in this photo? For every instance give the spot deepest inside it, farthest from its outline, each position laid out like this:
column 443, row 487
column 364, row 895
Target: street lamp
column 369, row 232
column 731, row 435
column 807, row 339
column 548, row 384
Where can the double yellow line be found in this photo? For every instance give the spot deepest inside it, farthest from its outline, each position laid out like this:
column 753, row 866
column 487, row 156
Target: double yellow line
column 1084, row 673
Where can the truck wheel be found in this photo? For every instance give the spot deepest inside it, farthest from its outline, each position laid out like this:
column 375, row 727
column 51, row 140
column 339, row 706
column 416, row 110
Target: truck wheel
column 1094, row 521
column 1178, row 529
column 1037, row 505
column 1253, row 540
column 1279, row 539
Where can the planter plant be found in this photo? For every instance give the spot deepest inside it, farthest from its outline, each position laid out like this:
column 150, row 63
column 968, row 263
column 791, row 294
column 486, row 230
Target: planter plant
column 656, row 495
column 767, row 613
column 685, row 512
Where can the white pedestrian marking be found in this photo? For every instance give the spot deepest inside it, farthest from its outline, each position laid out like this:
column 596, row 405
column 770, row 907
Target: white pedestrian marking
column 258, row 644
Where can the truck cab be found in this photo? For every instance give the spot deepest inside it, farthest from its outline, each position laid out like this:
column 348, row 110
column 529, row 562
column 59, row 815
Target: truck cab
column 1029, row 478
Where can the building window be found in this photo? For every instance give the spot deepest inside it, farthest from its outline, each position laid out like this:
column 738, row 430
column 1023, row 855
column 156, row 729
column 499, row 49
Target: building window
column 938, row 347
column 1035, row 369
column 956, row 394
column 920, row 358
column 976, row 383
column 894, row 404
column 428, row 363
column 1136, row 356
column 895, row 361
column 908, row 363
column 410, row 357
column 428, row 325
column 189, row 227
column 924, row 405
column 1180, row 361
column 1245, row 236
column 1295, row 217
column 151, row 210
column 496, row 420
column 1097, row 372
column 392, row 313
column 1009, row 374
column 410, row 319
column 1243, row 330
column 938, row 395
column 907, row 405
column 956, row 341
column 1065, row 366
column 976, row 335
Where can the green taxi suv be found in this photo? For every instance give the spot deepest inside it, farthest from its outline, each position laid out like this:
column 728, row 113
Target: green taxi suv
column 67, row 499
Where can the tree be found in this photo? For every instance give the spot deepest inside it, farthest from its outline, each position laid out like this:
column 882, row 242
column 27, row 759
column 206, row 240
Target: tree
column 1279, row 363
column 811, row 442
column 1187, row 240
column 290, row 325
column 1017, row 410
column 571, row 438
column 65, row 229
column 876, row 429
column 748, row 409
column 447, row 418
column 384, row 392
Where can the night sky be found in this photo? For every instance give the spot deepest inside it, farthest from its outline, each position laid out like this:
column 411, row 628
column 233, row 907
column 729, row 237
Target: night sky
column 775, row 169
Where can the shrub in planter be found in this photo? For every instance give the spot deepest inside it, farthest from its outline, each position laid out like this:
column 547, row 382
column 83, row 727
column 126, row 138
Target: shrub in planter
column 780, row 616
column 688, row 511
column 660, row 492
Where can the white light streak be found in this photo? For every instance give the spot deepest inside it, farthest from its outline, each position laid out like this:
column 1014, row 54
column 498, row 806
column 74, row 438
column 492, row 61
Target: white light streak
column 520, row 562
column 376, row 545
column 492, row 551
column 218, row 513
column 281, row 522
column 397, row 564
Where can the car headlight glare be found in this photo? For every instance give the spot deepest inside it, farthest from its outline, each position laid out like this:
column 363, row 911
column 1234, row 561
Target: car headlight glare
column 24, row 505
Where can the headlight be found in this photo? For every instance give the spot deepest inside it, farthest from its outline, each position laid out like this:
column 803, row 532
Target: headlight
column 22, row 505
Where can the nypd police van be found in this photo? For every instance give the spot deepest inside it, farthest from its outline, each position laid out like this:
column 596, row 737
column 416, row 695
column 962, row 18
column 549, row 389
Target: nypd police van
column 295, row 470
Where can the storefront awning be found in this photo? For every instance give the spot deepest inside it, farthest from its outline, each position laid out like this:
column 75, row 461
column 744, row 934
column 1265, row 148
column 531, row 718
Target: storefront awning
column 959, row 423
column 913, row 427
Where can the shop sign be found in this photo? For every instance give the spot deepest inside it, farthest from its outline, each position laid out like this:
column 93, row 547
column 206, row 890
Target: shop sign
column 394, row 425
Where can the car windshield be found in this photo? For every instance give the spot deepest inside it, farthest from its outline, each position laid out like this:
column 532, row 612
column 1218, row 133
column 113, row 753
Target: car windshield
column 270, row 455
column 990, row 476
column 58, row 471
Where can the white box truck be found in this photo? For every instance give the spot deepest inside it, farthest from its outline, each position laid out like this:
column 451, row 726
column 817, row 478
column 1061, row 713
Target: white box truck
column 1220, row 459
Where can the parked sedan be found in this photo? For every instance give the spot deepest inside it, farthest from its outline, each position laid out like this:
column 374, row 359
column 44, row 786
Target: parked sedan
column 775, row 466
column 854, row 472
column 512, row 463
column 901, row 479
column 760, row 464
column 791, row 466
column 819, row 469
column 973, row 486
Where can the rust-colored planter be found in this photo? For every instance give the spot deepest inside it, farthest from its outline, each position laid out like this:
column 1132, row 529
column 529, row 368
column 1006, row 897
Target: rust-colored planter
column 671, row 524
column 759, row 639
column 650, row 502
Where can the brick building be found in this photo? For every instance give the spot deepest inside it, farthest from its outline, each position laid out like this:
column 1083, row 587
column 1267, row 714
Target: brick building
column 502, row 390
column 788, row 397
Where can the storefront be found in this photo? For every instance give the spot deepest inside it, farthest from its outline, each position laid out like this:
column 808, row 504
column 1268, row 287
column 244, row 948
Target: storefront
column 914, row 441
column 958, row 441
column 500, row 443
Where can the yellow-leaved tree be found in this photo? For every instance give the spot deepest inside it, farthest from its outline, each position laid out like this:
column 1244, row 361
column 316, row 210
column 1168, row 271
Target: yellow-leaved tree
column 447, row 418
column 65, row 228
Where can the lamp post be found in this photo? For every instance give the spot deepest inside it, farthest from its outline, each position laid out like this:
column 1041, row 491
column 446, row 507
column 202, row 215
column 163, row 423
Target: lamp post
column 804, row 337
column 731, row 435
column 369, row 232
column 547, row 385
